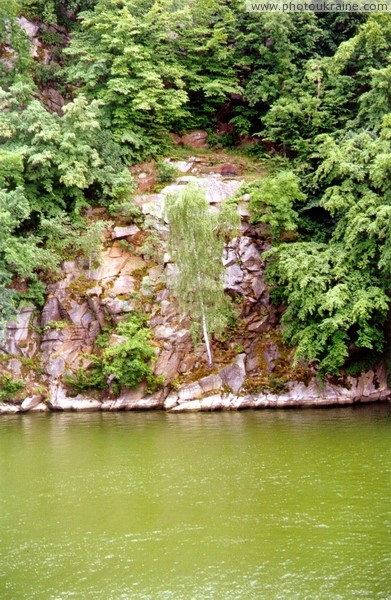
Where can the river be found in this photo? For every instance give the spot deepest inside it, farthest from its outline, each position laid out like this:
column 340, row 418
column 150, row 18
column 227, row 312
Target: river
column 265, row 505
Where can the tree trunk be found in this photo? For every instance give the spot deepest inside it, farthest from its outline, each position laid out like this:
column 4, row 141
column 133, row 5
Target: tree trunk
column 204, row 326
column 206, row 336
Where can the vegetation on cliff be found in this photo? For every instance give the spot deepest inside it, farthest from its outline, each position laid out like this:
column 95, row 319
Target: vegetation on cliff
column 312, row 90
column 196, row 239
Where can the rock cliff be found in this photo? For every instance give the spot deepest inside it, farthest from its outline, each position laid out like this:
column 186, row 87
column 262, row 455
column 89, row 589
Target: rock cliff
column 252, row 369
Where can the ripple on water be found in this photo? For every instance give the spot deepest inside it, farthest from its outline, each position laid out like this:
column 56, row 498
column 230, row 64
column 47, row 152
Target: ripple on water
column 273, row 504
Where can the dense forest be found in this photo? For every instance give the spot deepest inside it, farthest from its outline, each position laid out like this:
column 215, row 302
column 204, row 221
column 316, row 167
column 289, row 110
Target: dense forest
column 308, row 93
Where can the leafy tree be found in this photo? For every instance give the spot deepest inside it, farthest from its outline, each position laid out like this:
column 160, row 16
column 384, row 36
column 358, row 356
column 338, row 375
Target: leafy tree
column 51, row 167
column 271, row 52
column 272, row 199
column 64, row 161
column 327, row 95
column 196, row 244
column 329, row 304
column 157, row 66
column 317, row 86
column 21, row 255
column 52, row 12
column 120, row 57
column 203, row 39
column 338, row 292
column 375, row 102
column 66, row 237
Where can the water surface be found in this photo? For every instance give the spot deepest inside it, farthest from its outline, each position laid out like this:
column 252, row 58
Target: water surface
column 268, row 504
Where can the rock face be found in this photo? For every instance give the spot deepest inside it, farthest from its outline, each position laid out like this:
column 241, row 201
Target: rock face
column 195, row 139
column 43, row 348
column 369, row 387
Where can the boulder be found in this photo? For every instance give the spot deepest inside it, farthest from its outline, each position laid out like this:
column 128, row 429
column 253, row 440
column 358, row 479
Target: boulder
column 146, row 183
column 132, row 264
column 195, row 139
column 77, row 313
column 210, row 383
column 243, row 210
column 115, row 306
column 31, row 29
column 40, row 408
column 15, row 366
column 190, row 392
column 129, row 396
column 154, row 208
column 261, row 324
column 189, row 361
column 234, row 375
column 123, row 232
column 181, row 165
column 229, row 257
column 249, row 254
column 31, row 402
column 170, row 401
column 192, row 406
column 233, row 281
column 110, row 266
column 271, row 354
column 167, row 363
column 229, row 170
column 59, row 401
column 168, row 309
column 55, row 367
column 215, row 402
column 216, row 191
column 81, row 404
column 151, row 402
column 18, row 331
column 116, row 251
column 124, row 284
column 51, row 339
column 51, row 96
column 51, row 311
column 164, row 332
column 258, row 286
column 96, row 307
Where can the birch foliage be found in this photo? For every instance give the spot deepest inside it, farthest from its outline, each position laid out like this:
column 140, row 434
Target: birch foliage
column 196, row 245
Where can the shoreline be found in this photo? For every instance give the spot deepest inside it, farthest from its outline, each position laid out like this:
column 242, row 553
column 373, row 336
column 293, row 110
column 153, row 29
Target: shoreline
column 229, row 403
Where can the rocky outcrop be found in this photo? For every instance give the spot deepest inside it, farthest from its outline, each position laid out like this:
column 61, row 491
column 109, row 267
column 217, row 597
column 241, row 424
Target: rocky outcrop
column 44, row 348
column 195, row 139
column 368, row 387
column 44, row 54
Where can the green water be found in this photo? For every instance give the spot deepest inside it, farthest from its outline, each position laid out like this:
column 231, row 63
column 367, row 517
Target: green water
column 268, row 504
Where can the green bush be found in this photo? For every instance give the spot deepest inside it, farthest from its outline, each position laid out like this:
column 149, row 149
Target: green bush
column 129, row 363
column 9, row 387
column 126, row 364
column 92, row 378
column 166, row 172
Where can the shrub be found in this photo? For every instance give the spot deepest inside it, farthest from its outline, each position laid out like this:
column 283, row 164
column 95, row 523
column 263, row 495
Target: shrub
column 166, row 172
column 9, row 387
column 126, row 364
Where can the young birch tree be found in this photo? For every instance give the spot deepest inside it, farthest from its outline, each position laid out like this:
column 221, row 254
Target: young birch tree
column 196, row 243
